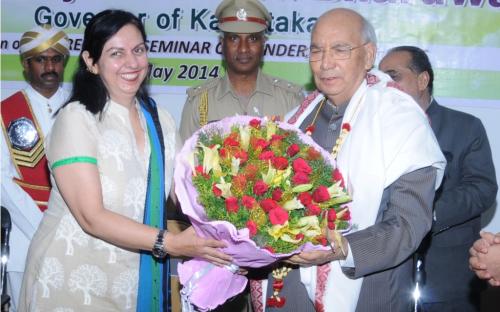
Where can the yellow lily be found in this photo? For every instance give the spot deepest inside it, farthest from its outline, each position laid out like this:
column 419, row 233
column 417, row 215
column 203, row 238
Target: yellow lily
column 225, row 188
column 278, row 231
column 336, row 190
column 302, row 188
column 245, row 137
column 211, row 159
column 235, row 165
column 269, row 176
column 309, row 226
column 293, row 204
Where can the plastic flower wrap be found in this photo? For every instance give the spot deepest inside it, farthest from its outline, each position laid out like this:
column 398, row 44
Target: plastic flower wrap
column 266, row 189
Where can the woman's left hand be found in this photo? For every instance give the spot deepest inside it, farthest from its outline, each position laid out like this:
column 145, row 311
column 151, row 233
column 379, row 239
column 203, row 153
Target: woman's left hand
column 188, row 243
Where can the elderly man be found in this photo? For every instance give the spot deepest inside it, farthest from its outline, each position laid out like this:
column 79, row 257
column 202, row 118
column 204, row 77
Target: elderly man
column 27, row 117
column 391, row 164
column 469, row 187
column 245, row 89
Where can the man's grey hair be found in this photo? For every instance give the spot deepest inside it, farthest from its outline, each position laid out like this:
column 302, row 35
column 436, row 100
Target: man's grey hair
column 367, row 31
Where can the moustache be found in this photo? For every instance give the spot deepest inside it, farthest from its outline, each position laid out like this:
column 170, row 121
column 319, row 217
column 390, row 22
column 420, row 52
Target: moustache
column 54, row 74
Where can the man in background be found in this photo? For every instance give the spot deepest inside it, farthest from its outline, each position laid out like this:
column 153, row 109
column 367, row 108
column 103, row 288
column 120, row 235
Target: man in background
column 469, row 187
column 245, row 89
column 27, row 117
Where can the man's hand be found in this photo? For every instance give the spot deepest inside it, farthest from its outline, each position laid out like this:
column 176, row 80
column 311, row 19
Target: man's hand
column 485, row 258
column 318, row 257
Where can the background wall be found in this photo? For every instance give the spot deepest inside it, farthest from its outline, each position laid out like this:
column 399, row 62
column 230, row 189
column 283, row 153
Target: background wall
column 462, row 38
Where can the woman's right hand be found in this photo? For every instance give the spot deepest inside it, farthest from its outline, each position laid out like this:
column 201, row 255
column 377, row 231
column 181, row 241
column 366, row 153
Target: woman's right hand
column 188, row 243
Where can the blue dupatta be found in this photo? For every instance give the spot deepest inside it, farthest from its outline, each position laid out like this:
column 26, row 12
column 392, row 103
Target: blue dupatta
column 154, row 275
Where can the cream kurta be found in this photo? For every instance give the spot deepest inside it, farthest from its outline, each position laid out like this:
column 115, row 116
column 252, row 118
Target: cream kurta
column 67, row 269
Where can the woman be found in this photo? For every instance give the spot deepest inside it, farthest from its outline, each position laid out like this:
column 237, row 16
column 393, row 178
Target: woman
column 111, row 155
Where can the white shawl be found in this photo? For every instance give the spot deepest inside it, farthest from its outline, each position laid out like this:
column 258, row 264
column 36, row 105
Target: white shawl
column 390, row 136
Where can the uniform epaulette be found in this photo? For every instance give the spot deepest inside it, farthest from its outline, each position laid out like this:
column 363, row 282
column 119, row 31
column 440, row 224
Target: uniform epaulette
column 286, row 85
column 197, row 90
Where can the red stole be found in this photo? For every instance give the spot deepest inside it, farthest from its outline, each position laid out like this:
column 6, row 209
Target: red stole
column 31, row 164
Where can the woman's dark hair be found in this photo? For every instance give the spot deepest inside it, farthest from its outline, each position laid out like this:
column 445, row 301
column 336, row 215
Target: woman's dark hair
column 89, row 88
column 419, row 62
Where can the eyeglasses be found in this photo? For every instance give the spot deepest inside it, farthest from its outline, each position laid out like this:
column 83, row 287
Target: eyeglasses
column 337, row 52
column 42, row 59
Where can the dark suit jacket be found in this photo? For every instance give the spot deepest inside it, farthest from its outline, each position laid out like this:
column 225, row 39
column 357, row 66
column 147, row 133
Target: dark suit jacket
column 468, row 189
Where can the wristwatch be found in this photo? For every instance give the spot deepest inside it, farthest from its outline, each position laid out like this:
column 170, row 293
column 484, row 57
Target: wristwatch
column 158, row 251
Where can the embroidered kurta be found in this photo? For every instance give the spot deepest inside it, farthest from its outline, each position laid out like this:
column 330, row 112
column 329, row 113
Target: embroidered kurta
column 67, row 268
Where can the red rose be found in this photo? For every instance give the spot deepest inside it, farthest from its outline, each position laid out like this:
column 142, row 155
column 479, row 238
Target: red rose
column 266, row 155
column 280, row 163
column 322, row 240
column 248, row 201
column 321, row 194
column 259, row 143
column 346, row 216
column 230, row 141
column 276, row 137
column 268, row 204
column 232, row 204
column 300, row 178
column 242, row 155
column 346, row 127
column 331, row 225
column 255, row 123
column 332, row 215
column 252, row 227
column 299, row 236
column 217, row 192
column 223, row 152
column 260, row 188
column 278, row 216
column 300, row 165
column 292, row 150
column 337, row 176
column 305, row 198
column 313, row 210
column 199, row 170
column 277, row 193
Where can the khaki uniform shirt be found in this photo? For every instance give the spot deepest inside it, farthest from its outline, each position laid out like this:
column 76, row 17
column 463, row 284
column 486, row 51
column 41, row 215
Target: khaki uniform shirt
column 272, row 97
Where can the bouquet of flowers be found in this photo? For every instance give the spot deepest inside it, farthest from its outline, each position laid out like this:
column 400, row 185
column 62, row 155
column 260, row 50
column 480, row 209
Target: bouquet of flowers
column 266, row 189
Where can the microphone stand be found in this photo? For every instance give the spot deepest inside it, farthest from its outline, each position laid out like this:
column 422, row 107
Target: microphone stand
column 5, row 249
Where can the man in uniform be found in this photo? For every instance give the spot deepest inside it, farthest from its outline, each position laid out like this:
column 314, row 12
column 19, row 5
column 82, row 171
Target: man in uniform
column 245, row 89
column 27, row 117
column 469, row 187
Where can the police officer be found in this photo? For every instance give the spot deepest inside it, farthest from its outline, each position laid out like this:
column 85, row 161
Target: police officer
column 245, row 89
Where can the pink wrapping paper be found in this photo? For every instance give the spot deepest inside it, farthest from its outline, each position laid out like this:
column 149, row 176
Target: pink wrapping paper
column 219, row 284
